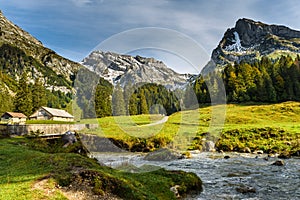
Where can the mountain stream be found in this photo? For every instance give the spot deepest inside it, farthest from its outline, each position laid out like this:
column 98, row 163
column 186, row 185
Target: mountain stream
column 242, row 176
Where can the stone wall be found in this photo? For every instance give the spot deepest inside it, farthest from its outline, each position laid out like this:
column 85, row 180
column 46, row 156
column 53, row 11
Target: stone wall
column 44, row 128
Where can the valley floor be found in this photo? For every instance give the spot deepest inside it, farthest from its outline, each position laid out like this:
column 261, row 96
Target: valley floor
column 272, row 128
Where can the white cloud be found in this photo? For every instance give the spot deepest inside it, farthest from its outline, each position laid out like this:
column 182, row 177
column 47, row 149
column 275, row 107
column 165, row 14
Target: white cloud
column 81, row 3
column 92, row 21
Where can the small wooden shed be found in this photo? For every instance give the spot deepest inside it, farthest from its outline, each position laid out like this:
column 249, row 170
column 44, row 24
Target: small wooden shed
column 45, row 113
column 13, row 118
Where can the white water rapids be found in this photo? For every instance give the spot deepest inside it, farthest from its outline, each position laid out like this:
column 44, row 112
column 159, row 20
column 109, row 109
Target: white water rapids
column 222, row 177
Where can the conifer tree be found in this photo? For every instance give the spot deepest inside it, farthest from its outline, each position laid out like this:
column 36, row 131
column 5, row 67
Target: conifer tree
column 118, row 103
column 38, row 95
column 143, row 104
column 133, row 105
column 128, row 92
column 103, row 101
column 23, row 98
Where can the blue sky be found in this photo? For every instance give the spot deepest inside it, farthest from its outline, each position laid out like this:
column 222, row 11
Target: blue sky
column 73, row 28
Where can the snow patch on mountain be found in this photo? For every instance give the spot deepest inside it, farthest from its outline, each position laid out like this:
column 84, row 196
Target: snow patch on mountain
column 122, row 69
column 236, row 46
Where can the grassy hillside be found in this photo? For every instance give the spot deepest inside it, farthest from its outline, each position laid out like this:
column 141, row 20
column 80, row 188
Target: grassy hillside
column 186, row 129
column 34, row 169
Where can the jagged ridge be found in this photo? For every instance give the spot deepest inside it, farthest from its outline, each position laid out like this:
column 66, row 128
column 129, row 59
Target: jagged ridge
column 250, row 40
column 121, row 69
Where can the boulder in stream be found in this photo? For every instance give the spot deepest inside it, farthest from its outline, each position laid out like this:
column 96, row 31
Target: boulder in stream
column 209, row 146
column 278, row 163
column 245, row 189
column 163, row 154
column 258, row 152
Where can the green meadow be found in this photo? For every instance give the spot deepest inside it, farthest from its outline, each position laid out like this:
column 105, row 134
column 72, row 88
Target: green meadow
column 186, row 130
column 35, row 169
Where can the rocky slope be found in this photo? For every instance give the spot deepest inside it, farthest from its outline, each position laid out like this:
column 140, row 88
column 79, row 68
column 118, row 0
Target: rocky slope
column 122, row 69
column 250, row 40
column 27, row 53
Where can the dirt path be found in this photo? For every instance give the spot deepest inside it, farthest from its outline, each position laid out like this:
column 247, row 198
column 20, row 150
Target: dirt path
column 163, row 120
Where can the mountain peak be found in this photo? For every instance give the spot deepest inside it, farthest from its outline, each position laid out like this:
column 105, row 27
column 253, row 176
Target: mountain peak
column 250, row 40
column 122, row 69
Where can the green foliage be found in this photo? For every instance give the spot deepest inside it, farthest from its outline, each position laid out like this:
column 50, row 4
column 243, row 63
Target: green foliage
column 128, row 92
column 6, row 100
column 57, row 99
column 29, row 97
column 30, row 92
column 149, row 98
column 23, row 99
column 186, row 129
column 153, row 98
column 14, row 62
column 23, row 165
column 93, row 94
column 270, row 140
column 38, row 95
column 190, row 99
column 262, row 81
column 118, row 103
column 103, row 94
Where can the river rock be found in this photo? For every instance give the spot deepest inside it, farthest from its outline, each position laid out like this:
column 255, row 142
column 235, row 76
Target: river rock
column 297, row 153
column 278, row 163
column 163, row 154
column 284, row 156
column 226, row 157
column 258, row 152
column 247, row 150
column 266, row 158
column 245, row 189
column 209, row 146
column 68, row 138
column 174, row 189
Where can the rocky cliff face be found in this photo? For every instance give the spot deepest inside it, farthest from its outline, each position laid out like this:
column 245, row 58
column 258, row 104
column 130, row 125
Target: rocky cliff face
column 20, row 44
column 251, row 40
column 122, row 69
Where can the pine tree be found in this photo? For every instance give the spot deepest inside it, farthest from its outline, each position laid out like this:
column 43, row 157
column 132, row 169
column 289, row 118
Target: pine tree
column 128, row 92
column 133, row 102
column 102, row 101
column 143, row 104
column 38, row 95
column 6, row 102
column 118, row 103
column 23, row 99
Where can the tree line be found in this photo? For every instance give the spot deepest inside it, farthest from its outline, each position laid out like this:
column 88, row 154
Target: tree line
column 267, row 80
column 27, row 97
column 134, row 99
column 23, row 81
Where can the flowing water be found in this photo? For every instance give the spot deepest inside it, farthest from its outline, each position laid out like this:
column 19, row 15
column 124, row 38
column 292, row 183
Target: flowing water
column 222, row 178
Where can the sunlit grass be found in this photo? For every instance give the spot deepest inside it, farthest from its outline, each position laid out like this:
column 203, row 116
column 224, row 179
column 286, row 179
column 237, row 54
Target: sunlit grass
column 182, row 127
column 22, row 166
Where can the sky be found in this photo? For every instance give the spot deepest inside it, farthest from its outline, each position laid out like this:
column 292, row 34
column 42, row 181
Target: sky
column 74, row 28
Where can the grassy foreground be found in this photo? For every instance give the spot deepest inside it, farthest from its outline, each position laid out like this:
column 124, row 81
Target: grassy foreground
column 34, row 169
column 269, row 127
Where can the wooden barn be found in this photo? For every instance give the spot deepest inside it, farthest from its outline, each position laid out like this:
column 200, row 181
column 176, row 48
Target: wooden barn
column 45, row 113
column 13, row 118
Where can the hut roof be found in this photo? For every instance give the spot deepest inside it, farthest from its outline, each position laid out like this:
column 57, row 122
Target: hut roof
column 15, row 115
column 55, row 112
